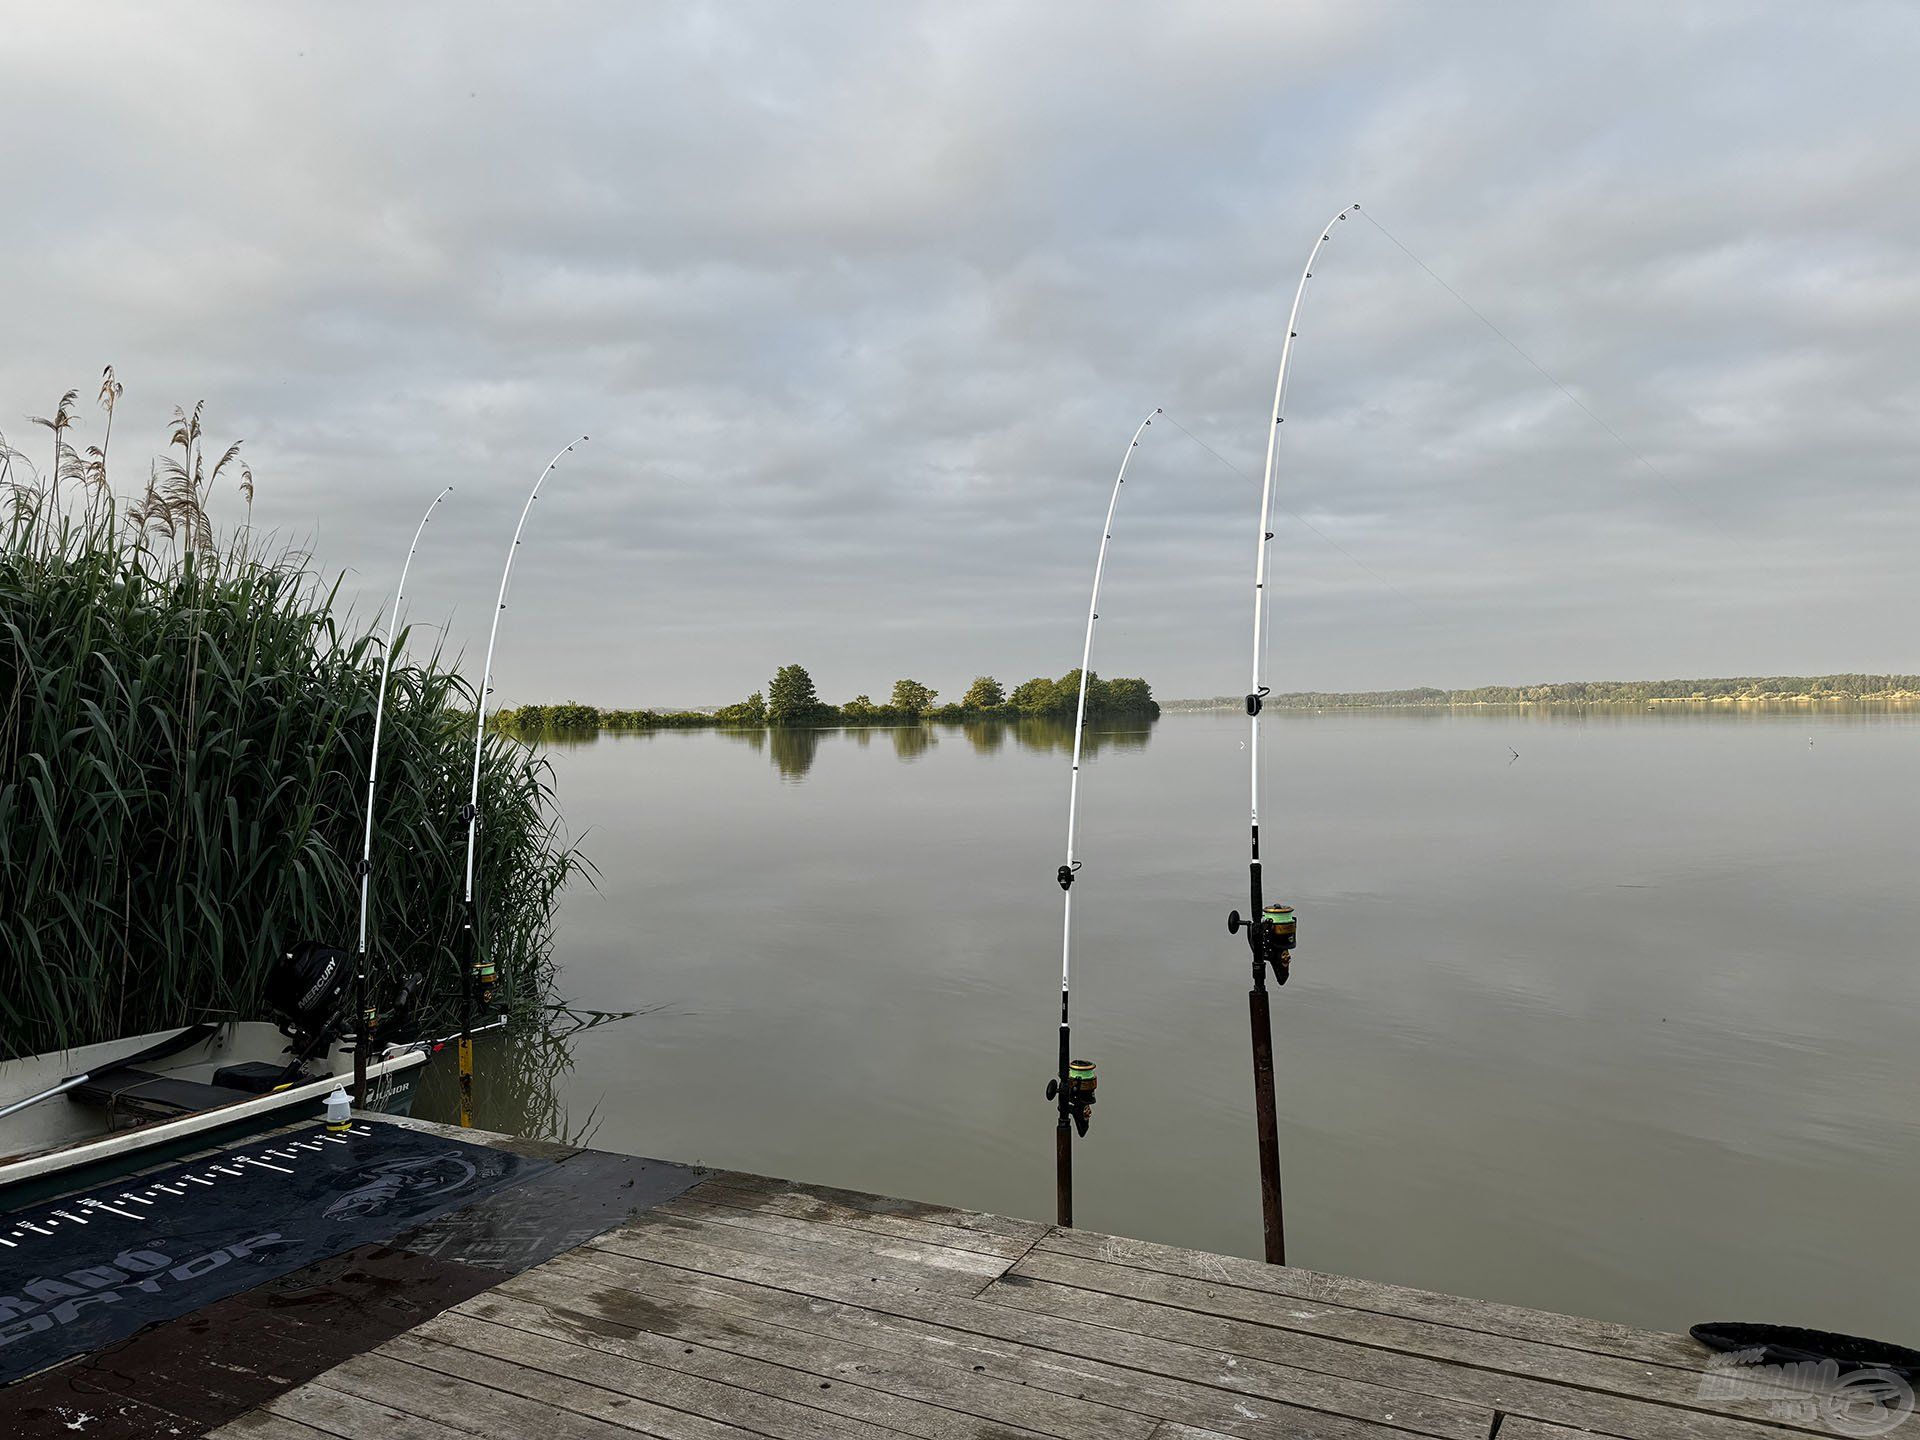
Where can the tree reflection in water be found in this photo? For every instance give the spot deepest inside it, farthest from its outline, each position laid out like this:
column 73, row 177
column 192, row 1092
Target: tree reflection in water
column 910, row 742
column 794, row 750
column 1046, row 736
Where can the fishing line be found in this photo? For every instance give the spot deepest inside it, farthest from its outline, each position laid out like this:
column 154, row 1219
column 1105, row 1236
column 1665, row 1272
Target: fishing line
column 477, row 978
column 363, row 1038
column 1638, row 456
column 1174, row 421
column 1509, row 342
column 1072, row 1088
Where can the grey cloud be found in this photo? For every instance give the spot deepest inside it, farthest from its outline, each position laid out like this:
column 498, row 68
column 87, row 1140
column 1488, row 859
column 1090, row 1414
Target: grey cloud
column 860, row 303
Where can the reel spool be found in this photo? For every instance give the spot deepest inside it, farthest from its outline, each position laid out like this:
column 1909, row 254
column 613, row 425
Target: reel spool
column 484, row 979
column 1082, row 1081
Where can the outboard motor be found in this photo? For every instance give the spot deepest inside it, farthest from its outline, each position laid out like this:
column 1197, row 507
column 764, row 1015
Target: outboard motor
column 308, row 990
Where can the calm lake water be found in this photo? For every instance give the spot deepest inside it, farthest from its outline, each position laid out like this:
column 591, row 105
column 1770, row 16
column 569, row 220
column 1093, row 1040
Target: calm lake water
column 1624, row 1027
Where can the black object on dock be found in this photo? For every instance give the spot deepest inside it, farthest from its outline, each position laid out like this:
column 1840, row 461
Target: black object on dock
column 210, row 1359
column 86, row 1270
column 1793, row 1345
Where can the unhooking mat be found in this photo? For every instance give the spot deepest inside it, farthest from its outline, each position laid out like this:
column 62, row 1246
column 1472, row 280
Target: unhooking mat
column 84, row 1271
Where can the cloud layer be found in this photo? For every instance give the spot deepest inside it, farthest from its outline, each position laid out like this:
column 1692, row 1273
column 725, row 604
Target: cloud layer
column 860, row 303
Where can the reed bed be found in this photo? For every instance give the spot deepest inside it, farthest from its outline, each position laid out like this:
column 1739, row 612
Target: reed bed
column 184, row 731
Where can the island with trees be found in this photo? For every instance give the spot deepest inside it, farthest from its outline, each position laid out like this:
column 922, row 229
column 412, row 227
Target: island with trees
column 791, row 701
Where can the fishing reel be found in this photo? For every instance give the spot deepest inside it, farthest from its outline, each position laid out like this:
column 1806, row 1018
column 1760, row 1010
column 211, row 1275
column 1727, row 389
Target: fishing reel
column 1081, row 1083
column 401, row 1022
column 1271, row 938
column 484, row 979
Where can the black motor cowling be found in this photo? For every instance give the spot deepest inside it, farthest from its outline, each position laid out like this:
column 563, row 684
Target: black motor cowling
column 308, row 990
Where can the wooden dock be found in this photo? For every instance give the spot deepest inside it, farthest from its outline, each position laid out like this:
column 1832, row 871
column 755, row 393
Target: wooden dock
column 750, row 1307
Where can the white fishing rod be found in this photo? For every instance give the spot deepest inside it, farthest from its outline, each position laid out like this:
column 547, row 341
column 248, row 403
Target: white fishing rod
column 1073, row 1086
column 479, row 973
column 363, row 1038
column 1270, row 928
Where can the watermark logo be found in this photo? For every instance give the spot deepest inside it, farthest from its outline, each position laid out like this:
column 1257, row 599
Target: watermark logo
column 1859, row 1404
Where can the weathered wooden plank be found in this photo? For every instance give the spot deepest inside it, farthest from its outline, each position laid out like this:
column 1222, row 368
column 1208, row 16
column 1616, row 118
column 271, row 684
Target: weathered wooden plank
column 352, row 1416
column 723, row 1190
column 265, row 1425
column 1515, row 1321
column 464, row 1405
column 975, row 1220
column 751, row 1307
column 872, row 1387
column 700, row 1244
column 1370, row 1327
column 1515, row 1394
column 1520, row 1428
column 919, row 1252
column 1152, row 1376
column 590, row 1381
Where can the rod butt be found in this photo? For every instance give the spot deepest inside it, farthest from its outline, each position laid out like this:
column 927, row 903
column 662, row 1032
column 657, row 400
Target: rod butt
column 1063, row 1174
column 1272, row 1219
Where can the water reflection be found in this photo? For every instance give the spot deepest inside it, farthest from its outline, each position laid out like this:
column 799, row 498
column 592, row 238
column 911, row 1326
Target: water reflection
column 756, row 738
column 1045, row 736
column 519, row 1076
column 985, row 737
column 910, row 742
column 558, row 739
column 794, row 751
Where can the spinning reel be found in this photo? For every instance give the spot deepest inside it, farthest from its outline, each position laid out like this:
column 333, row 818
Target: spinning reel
column 1271, row 938
column 1081, row 1083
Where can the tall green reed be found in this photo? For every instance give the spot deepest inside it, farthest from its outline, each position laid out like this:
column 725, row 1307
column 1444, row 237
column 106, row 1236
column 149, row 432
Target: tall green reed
column 184, row 730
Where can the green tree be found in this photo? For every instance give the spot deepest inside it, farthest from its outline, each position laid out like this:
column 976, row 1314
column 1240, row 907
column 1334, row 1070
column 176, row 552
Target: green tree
column 750, row 713
column 791, row 699
column 911, row 697
column 1128, row 697
column 984, row 694
column 1034, row 697
column 860, row 709
column 572, row 716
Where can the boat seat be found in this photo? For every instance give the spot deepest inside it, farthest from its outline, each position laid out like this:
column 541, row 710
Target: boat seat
column 141, row 1094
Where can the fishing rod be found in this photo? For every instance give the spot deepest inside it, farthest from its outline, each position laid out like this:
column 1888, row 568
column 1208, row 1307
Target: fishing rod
column 1073, row 1087
column 363, row 1039
column 1271, row 928
column 578, row 1020
column 476, row 979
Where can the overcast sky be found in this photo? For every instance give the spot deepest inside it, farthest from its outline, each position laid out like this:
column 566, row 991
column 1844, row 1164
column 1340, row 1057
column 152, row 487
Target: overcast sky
column 860, row 302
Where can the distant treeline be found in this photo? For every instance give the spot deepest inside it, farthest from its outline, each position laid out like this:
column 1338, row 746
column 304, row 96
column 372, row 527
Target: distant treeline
column 790, row 701
column 1732, row 690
